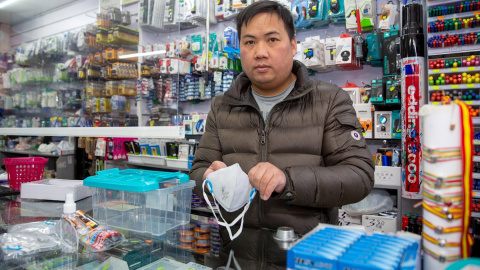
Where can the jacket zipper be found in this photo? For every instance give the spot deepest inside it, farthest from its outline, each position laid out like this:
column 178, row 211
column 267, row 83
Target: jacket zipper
column 263, row 239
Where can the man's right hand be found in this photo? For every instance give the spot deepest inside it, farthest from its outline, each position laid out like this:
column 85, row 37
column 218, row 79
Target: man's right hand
column 216, row 165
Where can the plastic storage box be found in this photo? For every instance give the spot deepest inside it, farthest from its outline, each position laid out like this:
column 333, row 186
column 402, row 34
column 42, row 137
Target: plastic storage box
column 141, row 200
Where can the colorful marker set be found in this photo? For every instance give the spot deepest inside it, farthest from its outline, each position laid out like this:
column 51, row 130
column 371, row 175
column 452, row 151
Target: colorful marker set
column 455, row 94
column 473, row 111
column 443, row 79
column 459, row 8
column 476, row 204
column 453, row 24
column 412, row 223
column 470, row 61
column 448, row 40
column 476, row 185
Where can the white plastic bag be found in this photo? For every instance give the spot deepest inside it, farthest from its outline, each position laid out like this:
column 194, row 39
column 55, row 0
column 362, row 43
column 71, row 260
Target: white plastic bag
column 377, row 201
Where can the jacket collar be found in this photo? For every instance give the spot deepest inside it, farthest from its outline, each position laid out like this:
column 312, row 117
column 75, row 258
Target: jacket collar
column 239, row 94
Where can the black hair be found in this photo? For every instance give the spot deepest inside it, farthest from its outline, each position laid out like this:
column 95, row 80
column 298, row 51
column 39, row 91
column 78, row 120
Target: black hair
column 271, row 7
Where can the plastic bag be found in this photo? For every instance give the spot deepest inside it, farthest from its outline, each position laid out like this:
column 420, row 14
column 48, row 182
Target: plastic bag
column 377, row 201
column 49, row 227
column 93, row 235
column 17, row 245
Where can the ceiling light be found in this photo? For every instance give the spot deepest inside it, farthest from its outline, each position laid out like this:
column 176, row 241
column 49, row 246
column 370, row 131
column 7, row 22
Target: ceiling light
column 6, row 3
column 141, row 54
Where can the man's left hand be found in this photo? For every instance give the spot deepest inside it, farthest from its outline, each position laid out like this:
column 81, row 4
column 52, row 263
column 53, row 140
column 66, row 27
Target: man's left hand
column 266, row 178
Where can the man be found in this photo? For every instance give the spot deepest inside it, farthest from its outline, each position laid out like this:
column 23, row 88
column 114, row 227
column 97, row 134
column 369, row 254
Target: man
column 298, row 139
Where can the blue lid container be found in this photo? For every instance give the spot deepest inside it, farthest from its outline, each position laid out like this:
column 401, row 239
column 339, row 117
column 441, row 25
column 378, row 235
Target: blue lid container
column 133, row 180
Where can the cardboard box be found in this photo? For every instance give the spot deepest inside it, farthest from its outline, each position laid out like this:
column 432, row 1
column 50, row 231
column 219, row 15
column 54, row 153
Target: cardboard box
column 344, row 219
column 388, row 176
column 383, row 124
column 54, row 190
column 344, row 51
column 37, row 208
column 364, row 115
column 374, row 223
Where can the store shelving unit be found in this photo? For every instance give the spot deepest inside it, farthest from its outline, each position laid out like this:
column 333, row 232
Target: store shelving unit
column 454, row 49
column 449, row 16
column 453, row 70
column 454, row 86
column 64, row 164
column 173, row 132
column 137, row 164
column 456, row 52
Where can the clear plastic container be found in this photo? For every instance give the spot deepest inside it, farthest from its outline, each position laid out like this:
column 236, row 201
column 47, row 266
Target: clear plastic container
column 165, row 207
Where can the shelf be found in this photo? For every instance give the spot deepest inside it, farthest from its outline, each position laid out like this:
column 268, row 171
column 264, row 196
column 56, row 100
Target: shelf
column 475, row 214
column 476, row 176
column 33, row 153
column 386, row 186
column 453, row 70
column 453, row 86
column 453, row 32
column 174, row 132
column 476, row 194
column 455, row 15
column 476, row 120
column 156, row 166
column 454, row 49
column 438, row 2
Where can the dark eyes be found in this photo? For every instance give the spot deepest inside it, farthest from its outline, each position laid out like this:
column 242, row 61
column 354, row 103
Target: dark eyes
column 250, row 42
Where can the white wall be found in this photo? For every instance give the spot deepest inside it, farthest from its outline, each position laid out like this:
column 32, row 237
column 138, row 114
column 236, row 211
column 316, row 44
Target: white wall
column 70, row 17
column 4, row 38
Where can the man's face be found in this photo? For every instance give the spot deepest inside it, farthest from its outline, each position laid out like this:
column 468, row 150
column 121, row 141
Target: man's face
column 267, row 53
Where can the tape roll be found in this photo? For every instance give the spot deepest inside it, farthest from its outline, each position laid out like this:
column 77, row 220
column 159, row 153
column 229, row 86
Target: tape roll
column 203, row 227
column 187, row 246
column 202, row 250
column 187, row 239
column 202, row 242
column 202, row 236
column 186, row 233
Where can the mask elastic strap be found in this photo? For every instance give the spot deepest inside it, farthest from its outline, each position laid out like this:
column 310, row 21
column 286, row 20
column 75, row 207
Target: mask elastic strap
column 224, row 223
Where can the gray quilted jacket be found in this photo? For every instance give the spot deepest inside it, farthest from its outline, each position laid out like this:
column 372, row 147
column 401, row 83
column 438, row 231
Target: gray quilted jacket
column 312, row 136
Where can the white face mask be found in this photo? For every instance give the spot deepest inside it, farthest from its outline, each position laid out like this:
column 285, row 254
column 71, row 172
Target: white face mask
column 231, row 189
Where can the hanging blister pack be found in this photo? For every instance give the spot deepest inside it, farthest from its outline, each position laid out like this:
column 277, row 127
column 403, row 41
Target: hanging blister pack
column 374, row 44
column 388, row 16
column 313, row 53
column 358, row 44
column 317, row 13
column 336, row 11
column 299, row 13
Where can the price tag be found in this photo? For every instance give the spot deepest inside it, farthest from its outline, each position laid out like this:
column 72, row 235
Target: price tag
column 435, row 103
column 470, row 85
column 454, row 86
column 469, row 102
column 435, row 87
column 470, row 68
column 476, row 13
column 440, row 17
column 454, row 69
column 436, row 70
